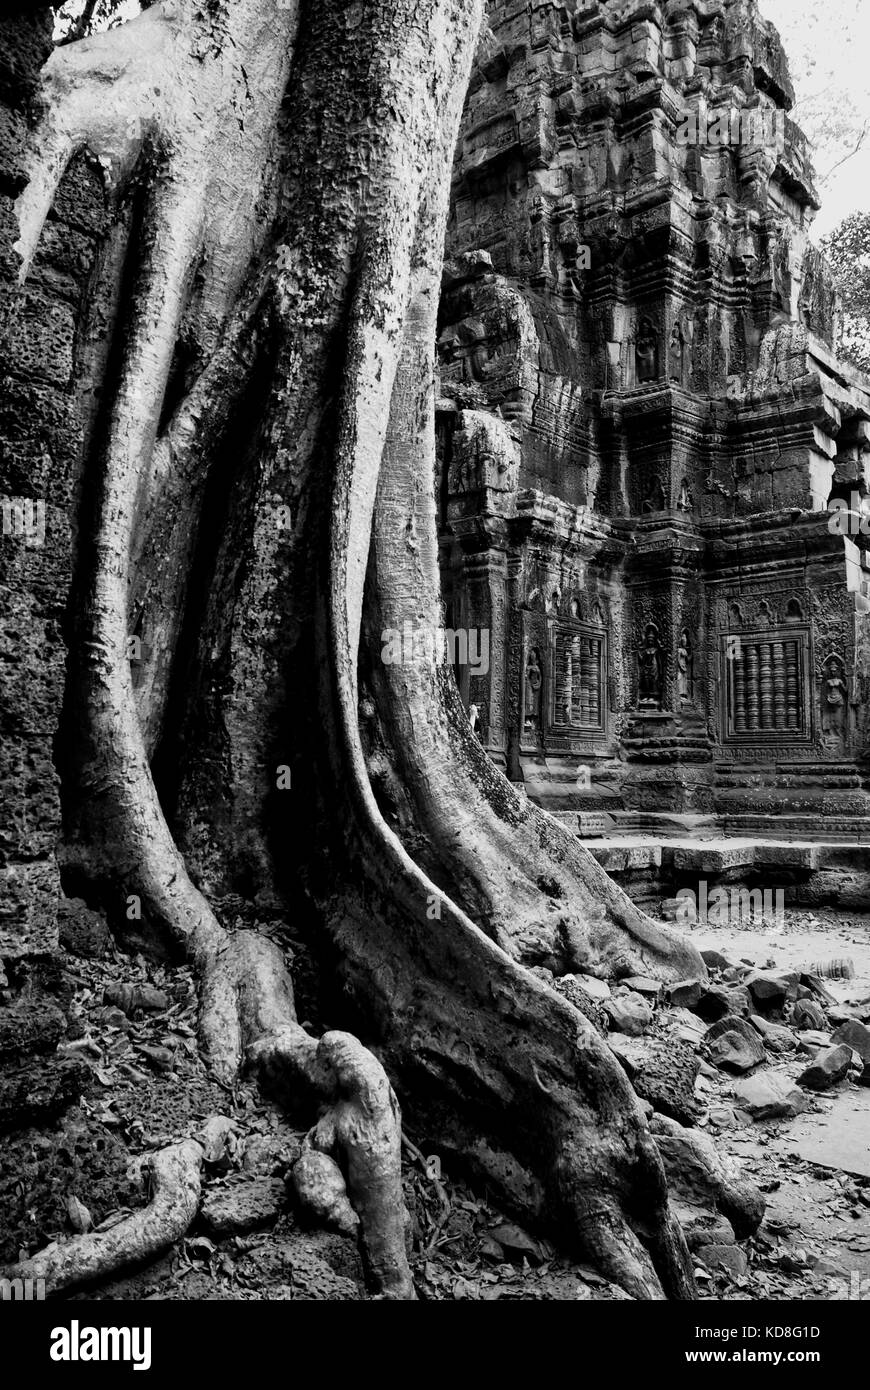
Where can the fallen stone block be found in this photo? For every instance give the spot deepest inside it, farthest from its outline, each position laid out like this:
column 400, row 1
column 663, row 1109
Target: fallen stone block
column 685, row 994
column 812, row 1040
column 730, row 1259
column 244, row 1204
column 855, row 1035
column 714, row 960
column 39, row 1092
column 28, row 1027
column 81, row 931
column 808, row 1013
column 770, row 1095
column 829, row 1066
column 702, row 1177
column 774, row 1035
column 704, row 1228
column 628, row 1013
column 662, row 1073
column 714, row 1003
column 734, row 1045
column 771, row 991
column 649, row 989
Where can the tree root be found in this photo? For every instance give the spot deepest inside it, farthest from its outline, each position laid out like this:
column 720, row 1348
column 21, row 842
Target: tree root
column 176, row 1174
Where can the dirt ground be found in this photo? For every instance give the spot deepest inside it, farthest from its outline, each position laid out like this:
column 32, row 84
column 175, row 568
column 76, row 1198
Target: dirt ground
column 147, row 1087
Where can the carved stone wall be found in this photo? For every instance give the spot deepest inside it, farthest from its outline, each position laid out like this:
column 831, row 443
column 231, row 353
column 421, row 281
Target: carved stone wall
column 632, row 302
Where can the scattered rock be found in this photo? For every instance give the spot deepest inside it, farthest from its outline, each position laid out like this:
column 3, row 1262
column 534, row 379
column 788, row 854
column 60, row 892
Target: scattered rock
column 775, row 1035
column 629, row 1013
column 807, row 1013
column 29, row 1026
column 812, row 1040
column 740, row 1001
column 723, row 1116
column 133, row 999
column 734, row 1045
column 704, row 1228
column 684, row 994
column 662, row 1073
column 714, row 1003
column 714, row 960
column 595, row 988
column 769, row 1095
column 37, row 1093
column 159, row 1057
column 217, row 1138
column 771, row 991
column 82, row 931
column 688, row 1027
column 729, row 1258
column 700, row 1176
column 244, row 1204
column 855, row 1035
column 829, row 1066
column 578, row 995
column 516, row 1243
column 640, row 984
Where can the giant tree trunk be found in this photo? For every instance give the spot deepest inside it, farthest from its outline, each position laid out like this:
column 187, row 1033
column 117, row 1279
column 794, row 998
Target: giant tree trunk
column 295, row 166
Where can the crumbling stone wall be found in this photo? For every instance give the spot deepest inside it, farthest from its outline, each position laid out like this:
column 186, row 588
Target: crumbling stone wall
column 40, row 449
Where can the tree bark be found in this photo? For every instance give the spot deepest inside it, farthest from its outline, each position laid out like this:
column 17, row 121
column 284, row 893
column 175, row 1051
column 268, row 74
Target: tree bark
column 296, row 240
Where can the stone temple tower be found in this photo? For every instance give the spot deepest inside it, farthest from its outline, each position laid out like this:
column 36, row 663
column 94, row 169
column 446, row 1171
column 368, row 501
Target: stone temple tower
column 643, row 422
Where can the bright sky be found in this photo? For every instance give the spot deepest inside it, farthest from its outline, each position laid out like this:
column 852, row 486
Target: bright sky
column 828, row 45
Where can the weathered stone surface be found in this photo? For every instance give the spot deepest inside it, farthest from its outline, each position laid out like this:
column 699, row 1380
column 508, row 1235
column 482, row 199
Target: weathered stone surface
column 714, row 1003
column 662, row 1072
column 770, row 991
column 855, row 1035
column 576, row 994
column 651, row 990
column 685, row 994
column 591, row 985
column 37, row 1093
column 829, row 1066
column 714, row 960
column 728, row 1258
column 243, row 1204
column 550, row 329
column 29, row 1026
column 628, row 1013
column 734, row 1045
column 769, row 1095
column 80, row 930
column 774, row 1035
column 701, row 1176
column 808, row 1014
column 704, row 1228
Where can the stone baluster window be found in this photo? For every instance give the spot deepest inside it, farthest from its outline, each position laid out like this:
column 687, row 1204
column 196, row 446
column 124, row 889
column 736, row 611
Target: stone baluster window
column 765, row 687
column 578, row 683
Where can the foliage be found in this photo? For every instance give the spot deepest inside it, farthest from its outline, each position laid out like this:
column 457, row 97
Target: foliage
column 848, row 250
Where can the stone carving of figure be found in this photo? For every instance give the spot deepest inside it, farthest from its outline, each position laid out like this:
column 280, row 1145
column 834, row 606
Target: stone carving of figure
column 534, row 682
column 655, row 498
column 675, row 354
column 834, row 699
column 686, row 500
column 646, row 353
column 651, row 668
column 684, row 669
column 474, row 718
